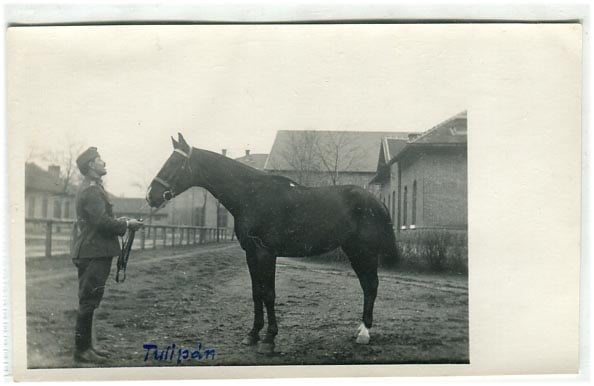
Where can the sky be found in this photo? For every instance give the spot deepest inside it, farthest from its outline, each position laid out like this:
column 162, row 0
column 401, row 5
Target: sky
column 127, row 89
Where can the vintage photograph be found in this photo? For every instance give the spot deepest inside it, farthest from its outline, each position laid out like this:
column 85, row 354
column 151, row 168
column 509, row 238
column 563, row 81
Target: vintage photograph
column 192, row 199
column 226, row 195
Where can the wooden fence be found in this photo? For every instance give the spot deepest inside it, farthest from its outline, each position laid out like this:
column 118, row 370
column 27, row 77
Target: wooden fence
column 44, row 237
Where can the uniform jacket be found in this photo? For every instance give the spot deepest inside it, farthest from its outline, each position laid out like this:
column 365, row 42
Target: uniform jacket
column 96, row 230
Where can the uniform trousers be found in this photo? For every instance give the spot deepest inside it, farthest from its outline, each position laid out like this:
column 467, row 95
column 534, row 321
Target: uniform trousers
column 92, row 275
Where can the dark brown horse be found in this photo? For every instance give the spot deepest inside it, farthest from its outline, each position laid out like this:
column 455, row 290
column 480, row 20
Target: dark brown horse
column 275, row 216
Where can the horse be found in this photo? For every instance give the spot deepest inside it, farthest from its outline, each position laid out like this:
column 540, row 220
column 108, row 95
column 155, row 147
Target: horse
column 275, row 216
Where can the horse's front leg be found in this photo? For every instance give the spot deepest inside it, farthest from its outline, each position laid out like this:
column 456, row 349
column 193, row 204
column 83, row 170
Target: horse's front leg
column 267, row 270
column 254, row 335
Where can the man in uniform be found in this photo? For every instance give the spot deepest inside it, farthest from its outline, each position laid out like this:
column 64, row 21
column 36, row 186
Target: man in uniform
column 95, row 243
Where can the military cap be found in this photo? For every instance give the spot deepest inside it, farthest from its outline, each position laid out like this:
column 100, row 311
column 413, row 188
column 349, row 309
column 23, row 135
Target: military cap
column 86, row 156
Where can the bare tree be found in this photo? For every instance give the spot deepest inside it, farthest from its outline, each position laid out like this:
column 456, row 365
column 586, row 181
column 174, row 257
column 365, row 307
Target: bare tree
column 203, row 209
column 141, row 181
column 337, row 152
column 300, row 154
column 66, row 160
column 32, row 154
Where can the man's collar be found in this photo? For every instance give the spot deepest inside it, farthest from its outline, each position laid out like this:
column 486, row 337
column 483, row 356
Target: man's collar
column 94, row 180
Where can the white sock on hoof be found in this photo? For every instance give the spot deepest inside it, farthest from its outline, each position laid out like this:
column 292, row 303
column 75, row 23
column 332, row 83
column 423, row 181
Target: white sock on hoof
column 362, row 334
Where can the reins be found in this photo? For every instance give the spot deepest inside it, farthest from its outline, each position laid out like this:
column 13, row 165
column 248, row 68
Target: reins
column 125, row 255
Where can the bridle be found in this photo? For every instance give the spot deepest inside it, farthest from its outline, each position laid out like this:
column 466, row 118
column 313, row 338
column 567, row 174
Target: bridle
column 169, row 192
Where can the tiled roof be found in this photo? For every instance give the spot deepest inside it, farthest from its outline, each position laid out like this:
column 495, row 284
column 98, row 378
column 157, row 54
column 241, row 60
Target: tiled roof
column 453, row 130
column 388, row 149
column 39, row 179
column 363, row 145
column 257, row 161
column 393, row 146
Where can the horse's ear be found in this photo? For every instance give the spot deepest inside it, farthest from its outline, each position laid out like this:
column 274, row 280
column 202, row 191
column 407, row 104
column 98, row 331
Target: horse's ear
column 175, row 143
column 182, row 141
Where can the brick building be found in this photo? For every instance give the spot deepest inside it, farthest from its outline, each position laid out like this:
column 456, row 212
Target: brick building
column 423, row 181
column 194, row 207
column 47, row 196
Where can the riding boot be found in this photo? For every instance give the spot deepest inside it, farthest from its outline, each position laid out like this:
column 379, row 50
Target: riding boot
column 82, row 332
column 83, row 351
column 97, row 350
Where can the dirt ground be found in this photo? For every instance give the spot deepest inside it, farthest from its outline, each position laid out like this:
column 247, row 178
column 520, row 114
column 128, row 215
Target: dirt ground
column 199, row 298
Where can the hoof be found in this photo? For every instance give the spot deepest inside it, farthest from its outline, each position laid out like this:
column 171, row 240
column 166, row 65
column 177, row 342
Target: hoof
column 265, row 348
column 362, row 334
column 361, row 327
column 250, row 340
column 362, row 339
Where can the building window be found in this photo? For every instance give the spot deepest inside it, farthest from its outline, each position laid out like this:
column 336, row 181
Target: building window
column 222, row 216
column 405, row 206
column 44, row 207
column 57, row 208
column 31, row 208
column 414, row 203
column 67, row 209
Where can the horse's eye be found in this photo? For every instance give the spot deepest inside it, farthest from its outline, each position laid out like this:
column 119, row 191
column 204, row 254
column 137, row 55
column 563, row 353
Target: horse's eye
column 167, row 195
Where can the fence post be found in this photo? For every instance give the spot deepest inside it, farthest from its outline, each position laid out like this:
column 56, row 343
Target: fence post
column 142, row 237
column 154, row 232
column 172, row 237
column 164, row 237
column 48, row 238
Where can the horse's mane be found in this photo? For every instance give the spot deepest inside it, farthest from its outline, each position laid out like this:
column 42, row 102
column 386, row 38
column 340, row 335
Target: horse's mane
column 233, row 163
column 284, row 180
column 257, row 174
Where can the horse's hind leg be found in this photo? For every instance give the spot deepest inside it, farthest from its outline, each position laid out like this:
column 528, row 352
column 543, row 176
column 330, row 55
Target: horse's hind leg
column 267, row 271
column 369, row 284
column 365, row 266
column 253, row 336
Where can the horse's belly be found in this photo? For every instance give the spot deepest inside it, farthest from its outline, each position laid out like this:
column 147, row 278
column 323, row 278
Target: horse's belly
column 311, row 240
column 291, row 249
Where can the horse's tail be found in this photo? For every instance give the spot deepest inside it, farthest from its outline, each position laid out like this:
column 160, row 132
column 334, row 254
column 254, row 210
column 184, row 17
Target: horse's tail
column 389, row 254
column 372, row 212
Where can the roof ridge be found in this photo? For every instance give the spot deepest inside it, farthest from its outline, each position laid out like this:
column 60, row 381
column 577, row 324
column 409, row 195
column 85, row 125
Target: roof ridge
column 438, row 126
column 399, row 139
column 347, row 131
column 385, row 149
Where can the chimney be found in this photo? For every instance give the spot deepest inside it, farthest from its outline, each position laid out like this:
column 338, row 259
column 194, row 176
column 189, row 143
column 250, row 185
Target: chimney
column 224, row 152
column 54, row 171
column 412, row 136
column 247, row 152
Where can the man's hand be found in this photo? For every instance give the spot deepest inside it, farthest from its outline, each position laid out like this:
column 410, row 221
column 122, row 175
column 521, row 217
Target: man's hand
column 134, row 224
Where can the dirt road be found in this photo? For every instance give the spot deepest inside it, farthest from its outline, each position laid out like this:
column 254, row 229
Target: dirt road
column 199, row 299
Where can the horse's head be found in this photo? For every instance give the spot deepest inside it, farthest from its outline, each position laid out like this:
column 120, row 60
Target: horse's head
column 175, row 176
